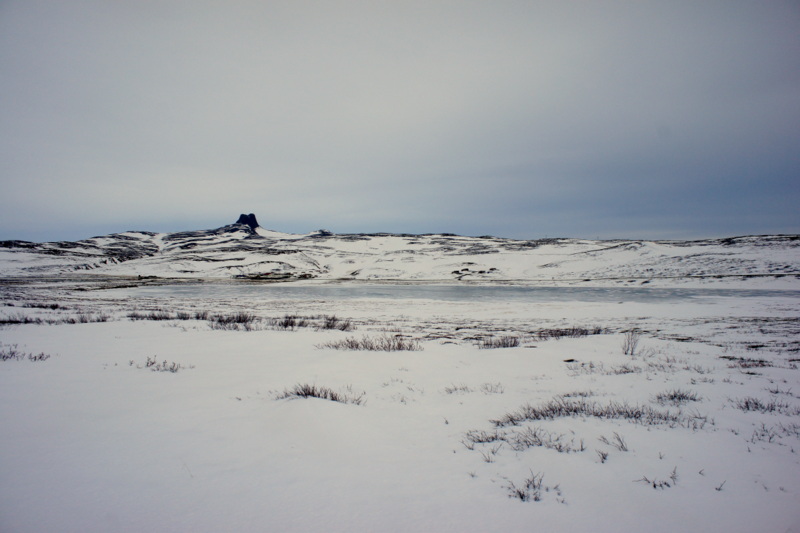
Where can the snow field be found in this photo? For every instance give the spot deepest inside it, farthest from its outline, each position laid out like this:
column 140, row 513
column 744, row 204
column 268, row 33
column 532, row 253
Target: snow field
column 94, row 443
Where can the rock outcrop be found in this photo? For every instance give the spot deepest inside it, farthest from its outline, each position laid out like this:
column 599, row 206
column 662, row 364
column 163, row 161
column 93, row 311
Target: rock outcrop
column 250, row 220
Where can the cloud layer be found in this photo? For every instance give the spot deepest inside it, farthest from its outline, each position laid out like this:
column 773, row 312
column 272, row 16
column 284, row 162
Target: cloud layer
column 521, row 119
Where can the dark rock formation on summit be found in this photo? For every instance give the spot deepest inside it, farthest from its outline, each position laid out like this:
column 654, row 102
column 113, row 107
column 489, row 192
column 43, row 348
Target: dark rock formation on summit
column 250, row 220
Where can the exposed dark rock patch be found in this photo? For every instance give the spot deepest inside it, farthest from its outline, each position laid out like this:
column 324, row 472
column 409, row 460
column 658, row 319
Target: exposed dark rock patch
column 17, row 244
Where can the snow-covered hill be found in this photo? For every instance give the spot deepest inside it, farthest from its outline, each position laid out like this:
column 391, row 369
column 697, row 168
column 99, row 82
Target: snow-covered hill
column 245, row 250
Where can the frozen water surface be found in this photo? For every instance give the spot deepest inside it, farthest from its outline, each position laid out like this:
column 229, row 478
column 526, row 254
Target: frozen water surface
column 440, row 292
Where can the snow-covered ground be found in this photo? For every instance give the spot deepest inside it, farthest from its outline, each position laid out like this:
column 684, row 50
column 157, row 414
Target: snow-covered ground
column 698, row 430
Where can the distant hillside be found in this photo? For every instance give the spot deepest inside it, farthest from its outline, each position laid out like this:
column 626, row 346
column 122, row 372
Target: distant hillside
column 245, row 250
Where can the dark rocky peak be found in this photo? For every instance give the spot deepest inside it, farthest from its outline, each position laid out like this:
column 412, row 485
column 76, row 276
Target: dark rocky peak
column 250, row 220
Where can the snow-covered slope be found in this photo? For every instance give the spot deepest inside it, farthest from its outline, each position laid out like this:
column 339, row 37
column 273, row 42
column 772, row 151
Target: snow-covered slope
column 243, row 251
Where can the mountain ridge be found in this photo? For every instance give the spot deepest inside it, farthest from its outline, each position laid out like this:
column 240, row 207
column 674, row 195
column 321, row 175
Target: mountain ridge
column 245, row 250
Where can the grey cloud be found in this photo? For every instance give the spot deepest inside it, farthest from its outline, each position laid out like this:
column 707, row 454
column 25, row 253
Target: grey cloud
column 513, row 118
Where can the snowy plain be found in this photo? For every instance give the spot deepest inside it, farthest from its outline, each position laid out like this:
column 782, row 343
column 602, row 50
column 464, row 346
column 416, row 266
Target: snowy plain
column 144, row 388
column 95, row 440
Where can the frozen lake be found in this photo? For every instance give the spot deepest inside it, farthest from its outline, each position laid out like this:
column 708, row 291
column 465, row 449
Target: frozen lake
column 439, row 292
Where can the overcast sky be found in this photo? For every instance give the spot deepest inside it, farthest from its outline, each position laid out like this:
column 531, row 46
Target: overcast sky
column 523, row 119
